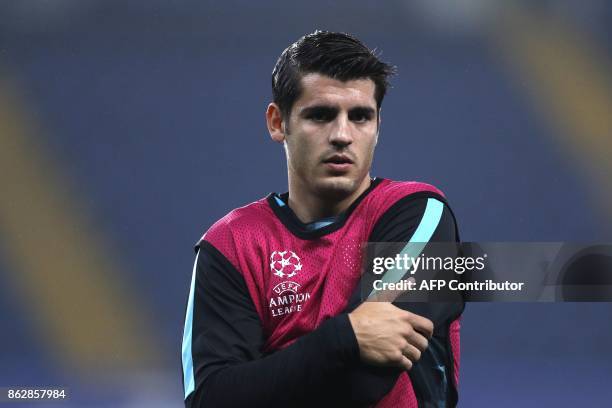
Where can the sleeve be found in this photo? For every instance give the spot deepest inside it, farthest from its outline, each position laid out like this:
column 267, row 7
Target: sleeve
column 427, row 218
column 222, row 360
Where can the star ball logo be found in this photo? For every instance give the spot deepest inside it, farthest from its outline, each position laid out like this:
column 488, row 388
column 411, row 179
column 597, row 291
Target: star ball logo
column 285, row 264
column 286, row 297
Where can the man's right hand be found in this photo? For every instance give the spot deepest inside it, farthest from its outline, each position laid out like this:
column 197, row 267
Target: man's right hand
column 388, row 335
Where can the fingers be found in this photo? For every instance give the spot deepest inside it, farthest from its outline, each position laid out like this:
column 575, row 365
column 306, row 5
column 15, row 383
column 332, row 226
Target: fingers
column 407, row 357
column 417, row 340
column 388, row 335
column 406, row 364
column 411, row 352
column 421, row 324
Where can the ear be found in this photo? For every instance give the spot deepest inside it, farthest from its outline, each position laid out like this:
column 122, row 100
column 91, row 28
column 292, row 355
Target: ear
column 274, row 120
column 378, row 126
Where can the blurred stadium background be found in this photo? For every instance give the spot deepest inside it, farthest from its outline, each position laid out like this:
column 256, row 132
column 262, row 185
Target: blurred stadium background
column 127, row 128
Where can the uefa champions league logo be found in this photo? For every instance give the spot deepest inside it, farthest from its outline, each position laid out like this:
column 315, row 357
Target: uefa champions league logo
column 286, row 297
column 285, row 264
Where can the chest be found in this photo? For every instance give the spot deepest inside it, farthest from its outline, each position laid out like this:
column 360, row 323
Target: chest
column 296, row 284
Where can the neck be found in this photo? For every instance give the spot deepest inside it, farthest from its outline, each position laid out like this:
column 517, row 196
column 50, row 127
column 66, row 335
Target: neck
column 309, row 206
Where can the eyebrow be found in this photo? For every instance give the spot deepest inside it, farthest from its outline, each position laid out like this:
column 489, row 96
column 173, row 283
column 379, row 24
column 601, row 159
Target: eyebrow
column 334, row 110
column 319, row 109
column 363, row 110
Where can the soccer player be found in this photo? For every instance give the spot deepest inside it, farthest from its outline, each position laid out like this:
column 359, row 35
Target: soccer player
column 274, row 315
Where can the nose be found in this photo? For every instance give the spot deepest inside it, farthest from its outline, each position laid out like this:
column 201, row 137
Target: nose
column 341, row 135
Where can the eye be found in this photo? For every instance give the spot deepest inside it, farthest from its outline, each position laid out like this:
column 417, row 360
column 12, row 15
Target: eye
column 320, row 116
column 360, row 116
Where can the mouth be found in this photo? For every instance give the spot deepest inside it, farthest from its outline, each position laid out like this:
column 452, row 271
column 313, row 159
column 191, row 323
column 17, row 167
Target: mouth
column 338, row 163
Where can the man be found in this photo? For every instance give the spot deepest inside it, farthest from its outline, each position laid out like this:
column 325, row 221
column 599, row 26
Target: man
column 275, row 316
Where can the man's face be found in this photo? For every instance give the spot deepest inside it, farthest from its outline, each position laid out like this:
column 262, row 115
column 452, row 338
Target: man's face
column 331, row 134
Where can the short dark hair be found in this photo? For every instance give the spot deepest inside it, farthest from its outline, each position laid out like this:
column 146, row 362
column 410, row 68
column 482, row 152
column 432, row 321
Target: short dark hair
column 337, row 55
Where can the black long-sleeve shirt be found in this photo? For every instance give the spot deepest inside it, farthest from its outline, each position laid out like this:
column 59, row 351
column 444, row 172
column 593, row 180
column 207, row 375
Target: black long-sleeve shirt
column 321, row 368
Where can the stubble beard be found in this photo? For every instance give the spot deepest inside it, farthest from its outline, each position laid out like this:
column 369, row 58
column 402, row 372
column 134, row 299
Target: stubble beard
column 337, row 189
